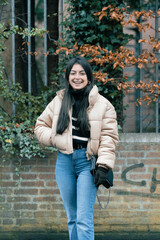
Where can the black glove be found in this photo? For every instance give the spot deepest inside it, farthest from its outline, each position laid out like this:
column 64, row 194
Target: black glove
column 100, row 177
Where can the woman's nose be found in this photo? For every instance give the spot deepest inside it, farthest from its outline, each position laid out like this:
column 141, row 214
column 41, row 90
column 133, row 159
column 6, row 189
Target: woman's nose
column 77, row 75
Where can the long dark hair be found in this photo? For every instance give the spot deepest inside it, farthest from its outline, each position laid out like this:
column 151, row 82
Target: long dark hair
column 67, row 102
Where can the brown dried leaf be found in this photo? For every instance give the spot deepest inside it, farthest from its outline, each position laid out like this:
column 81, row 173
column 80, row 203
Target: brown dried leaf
column 103, row 14
column 143, row 41
column 140, row 65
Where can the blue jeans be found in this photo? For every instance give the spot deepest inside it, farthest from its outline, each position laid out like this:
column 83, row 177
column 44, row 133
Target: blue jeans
column 78, row 192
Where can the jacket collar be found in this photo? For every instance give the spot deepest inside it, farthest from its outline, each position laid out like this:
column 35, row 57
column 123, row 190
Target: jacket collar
column 60, row 93
column 93, row 95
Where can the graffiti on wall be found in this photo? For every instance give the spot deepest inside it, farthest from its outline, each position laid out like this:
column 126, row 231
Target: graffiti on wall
column 154, row 183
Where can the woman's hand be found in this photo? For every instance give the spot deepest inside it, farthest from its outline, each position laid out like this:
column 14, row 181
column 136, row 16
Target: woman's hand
column 101, row 176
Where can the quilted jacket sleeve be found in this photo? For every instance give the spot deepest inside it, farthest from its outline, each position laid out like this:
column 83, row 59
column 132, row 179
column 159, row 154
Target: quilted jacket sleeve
column 43, row 127
column 108, row 139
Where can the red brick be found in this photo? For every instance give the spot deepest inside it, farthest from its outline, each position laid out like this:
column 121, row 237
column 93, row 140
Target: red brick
column 51, row 184
column 26, row 191
column 18, row 199
column 7, row 221
column 8, row 184
column 116, row 169
column 42, row 169
column 153, row 155
column 6, row 169
column 25, row 176
column 28, row 162
column 155, row 147
column 27, row 214
column 119, row 183
column 134, row 170
column 131, row 154
column 132, row 161
column 8, row 191
column 25, row 206
column 138, row 147
column 32, row 184
column 151, row 162
column 151, row 206
column 44, row 199
column 6, row 209
column 22, row 222
column 46, row 176
column 5, row 176
column 134, row 206
column 58, row 206
column 150, row 169
column 119, row 162
column 45, row 214
column 44, row 206
column 48, row 191
column 120, row 147
column 52, row 162
column 43, row 162
column 116, row 205
column 157, row 190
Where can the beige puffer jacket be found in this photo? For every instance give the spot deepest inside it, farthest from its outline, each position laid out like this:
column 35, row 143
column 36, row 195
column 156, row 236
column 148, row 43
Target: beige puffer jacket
column 103, row 128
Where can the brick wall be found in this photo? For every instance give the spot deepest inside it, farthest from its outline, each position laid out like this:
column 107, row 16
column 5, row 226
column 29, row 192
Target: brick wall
column 30, row 200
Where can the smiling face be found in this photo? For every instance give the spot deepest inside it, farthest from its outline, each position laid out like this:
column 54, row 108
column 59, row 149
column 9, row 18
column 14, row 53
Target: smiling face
column 77, row 77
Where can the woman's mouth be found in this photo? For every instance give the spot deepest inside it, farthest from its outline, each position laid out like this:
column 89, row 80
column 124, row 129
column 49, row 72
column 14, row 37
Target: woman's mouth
column 77, row 81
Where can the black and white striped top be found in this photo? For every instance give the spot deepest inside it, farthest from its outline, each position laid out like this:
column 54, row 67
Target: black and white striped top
column 77, row 136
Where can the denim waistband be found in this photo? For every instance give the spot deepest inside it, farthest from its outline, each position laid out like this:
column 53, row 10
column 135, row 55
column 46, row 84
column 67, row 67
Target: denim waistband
column 79, row 145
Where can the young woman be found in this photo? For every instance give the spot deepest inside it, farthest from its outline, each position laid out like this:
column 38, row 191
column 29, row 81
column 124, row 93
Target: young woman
column 80, row 123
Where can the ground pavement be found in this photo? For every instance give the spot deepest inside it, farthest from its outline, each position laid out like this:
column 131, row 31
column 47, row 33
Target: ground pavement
column 64, row 236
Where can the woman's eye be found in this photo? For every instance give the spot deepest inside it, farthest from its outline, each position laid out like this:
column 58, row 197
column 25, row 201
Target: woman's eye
column 80, row 73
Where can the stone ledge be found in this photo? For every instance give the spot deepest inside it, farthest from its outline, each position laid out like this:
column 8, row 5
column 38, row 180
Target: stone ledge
column 64, row 236
column 140, row 137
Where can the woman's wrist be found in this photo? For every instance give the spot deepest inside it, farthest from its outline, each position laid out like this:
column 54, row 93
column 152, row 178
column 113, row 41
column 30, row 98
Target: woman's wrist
column 104, row 166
